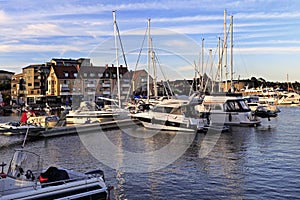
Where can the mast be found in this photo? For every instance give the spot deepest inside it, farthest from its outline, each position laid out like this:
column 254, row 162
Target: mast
column 154, row 70
column 117, row 59
column 149, row 61
column 202, row 64
column 220, row 65
column 231, row 52
column 212, row 71
column 225, row 49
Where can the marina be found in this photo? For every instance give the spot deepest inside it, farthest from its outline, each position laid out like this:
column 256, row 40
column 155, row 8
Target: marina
column 244, row 163
column 85, row 129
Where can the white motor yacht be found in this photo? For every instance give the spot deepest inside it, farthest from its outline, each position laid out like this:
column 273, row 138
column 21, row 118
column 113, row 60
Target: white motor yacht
column 88, row 112
column 289, row 98
column 228, row 109
column 173, row 114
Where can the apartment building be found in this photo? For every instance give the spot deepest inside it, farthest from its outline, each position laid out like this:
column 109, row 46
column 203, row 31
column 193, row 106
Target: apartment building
column 35, row 83
column 18, row 90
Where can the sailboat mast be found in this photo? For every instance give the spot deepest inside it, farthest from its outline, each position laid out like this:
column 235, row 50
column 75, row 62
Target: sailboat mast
column 202, row 65
column 154, row 71
column 212, row 71
column 231, row 51
column 220, row 65
column 117, row 59
column 225, row 49
column 149, row 61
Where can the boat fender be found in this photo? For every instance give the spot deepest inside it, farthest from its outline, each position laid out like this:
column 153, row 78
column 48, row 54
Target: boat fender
column 109, row 188
column 251, row 116
column 152, row 120
column 230, row 117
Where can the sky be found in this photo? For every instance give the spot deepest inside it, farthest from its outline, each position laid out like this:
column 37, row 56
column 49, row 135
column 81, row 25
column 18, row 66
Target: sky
column 266, row 35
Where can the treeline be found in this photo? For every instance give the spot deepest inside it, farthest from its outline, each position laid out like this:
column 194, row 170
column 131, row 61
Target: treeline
column 258, row 82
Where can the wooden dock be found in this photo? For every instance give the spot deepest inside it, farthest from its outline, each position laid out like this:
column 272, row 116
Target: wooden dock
column 86, row 128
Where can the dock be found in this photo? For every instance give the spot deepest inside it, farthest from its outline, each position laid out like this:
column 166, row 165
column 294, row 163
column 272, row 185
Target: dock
column 86, row 128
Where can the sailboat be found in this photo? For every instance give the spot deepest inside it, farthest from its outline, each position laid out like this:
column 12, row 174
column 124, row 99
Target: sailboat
column 169, row 114
column 228, row 108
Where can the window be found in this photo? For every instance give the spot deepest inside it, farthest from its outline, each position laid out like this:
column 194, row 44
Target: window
column 84, row 74
column 92, row 75
column 66, row 74
column 75, row 74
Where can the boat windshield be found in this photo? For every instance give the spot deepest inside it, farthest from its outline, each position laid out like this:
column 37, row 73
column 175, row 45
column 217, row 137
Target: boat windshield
column 25, row 165
column 236, row 106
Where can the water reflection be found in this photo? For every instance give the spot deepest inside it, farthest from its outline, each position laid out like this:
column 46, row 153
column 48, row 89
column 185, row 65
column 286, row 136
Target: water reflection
column 244, row 163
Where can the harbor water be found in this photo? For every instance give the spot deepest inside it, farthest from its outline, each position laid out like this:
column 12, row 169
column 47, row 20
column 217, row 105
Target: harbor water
column 244, row 163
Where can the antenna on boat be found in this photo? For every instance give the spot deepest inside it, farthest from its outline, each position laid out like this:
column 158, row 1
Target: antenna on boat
column 25, row 138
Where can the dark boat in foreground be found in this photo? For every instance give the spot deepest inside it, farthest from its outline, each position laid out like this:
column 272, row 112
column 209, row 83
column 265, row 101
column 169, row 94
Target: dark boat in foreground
column 25, row 179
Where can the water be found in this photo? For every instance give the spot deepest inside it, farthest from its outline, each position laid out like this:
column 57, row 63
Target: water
column 244, row 163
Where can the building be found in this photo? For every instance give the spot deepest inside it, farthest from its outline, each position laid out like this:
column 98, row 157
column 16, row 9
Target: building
column 5, row 76
column 35, row 77
column 60, row 84
column 18, row 89
column 97, row 83
column 140, row 83
column 5, row 85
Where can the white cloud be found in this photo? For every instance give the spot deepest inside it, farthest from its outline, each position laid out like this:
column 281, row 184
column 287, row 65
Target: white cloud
column 37, row 48
column 42, row 29
column 269, row 50
column 3, row 17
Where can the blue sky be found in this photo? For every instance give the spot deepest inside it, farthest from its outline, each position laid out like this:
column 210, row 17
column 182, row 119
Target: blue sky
column 266, row 34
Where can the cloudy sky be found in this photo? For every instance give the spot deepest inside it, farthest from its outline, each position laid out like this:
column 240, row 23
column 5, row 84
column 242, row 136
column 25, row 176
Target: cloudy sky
column 266, row 34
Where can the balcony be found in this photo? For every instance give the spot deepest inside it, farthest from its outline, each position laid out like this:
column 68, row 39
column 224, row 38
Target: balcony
column 105, row 85
column 125, row 85
column 64, row 85
column 106, row 92
column 90, row 85
column 125, row 92
column 66, row 93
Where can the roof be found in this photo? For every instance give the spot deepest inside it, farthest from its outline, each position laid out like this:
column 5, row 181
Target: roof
column 6, row 72
column 61, row 70
column 137, row 73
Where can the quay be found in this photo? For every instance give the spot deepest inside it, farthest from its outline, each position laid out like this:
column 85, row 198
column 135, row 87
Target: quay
column 86, row 128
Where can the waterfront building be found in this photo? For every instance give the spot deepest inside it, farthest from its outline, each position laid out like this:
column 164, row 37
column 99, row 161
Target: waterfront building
column 100, row 82
column 35, row 83
column 5, row 84
column 5, row 76
column 18, row 91
column 61, row 81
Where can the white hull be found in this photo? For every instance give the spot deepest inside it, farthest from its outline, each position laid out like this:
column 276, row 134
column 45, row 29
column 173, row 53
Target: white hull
column 89, row 117
column 166, row 128
column 233, row 119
